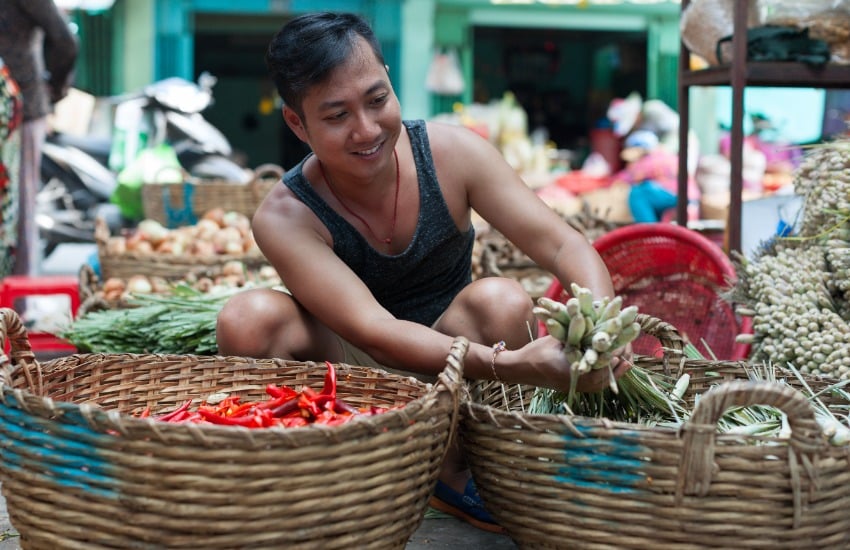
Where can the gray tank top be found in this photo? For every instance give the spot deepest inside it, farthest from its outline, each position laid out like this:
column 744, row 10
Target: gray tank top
column 420, row 283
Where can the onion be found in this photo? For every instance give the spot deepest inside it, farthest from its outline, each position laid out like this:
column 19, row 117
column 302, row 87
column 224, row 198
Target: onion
column 226, row 240
column 152, row 231
column 206, row 228
column 116, row 246
column 139, row 284
column 215, row 215
column 233, row 267
column 114, row 284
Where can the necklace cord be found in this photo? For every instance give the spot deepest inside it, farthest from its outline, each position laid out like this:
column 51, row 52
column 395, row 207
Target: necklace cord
column 389, row 239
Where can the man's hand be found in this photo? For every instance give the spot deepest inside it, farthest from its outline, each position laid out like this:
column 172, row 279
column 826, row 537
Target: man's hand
column 600, row 378
column 543, row 362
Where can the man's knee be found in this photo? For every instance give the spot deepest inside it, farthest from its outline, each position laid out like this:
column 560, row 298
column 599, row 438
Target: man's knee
column 500, row 305
column 503, row 294
column 243, row 323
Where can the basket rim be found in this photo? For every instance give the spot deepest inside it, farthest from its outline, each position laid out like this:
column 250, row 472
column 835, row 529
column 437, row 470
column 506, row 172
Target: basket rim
column 445, row 390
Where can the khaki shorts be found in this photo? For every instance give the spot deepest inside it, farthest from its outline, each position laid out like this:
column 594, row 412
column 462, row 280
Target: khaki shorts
column 357, row 357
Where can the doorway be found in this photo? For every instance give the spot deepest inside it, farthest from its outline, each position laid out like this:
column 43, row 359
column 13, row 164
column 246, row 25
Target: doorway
column 247, row 107
column 564, row 79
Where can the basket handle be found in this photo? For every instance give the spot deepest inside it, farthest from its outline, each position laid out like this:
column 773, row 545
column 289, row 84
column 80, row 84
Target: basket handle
column 101, row 233
column 700, row 431
column 449, row 384
column 261, row 173
column 268, row 169
column 12, row 330
column 88, row 283
column 666, row 333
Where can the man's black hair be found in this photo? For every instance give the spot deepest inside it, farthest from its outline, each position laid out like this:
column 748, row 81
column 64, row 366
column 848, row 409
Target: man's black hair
column 307, row 48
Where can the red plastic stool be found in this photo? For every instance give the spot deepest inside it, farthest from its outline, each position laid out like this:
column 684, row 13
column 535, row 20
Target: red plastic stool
column 17, row 287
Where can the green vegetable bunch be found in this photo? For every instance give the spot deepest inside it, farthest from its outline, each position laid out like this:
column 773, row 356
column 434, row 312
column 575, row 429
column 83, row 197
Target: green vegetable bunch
column 590, row 328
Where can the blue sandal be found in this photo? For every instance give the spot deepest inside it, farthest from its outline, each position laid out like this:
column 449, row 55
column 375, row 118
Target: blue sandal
column 467, row 507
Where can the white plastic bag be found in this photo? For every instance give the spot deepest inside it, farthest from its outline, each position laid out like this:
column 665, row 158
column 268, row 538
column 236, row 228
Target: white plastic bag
column 444, row 74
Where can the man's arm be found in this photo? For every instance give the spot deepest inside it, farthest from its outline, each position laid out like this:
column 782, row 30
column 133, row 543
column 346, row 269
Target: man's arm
column 494, row 190
column 298, row 246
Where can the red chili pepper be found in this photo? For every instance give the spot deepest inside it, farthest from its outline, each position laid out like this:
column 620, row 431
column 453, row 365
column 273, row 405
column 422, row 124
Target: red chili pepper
column 324, row 417
column 308, row 406
column 256, row 420
column 340, row 419
column 292, row 422
column 170, row 416
column 226, row 406
column 276, row 402
column 285, row 408
column 182, row 416
column 276, row 391
column 330, row 380
column 239, row 410
column 146, row 412
column 341, row 406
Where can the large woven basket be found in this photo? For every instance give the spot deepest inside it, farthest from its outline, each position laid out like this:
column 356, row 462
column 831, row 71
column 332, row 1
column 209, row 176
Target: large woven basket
column 562, row 482
column 175, row 204
column 79, row 470
column 168, row 266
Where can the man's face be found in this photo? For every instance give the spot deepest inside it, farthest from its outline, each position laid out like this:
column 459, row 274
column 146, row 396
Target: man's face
column 352, row 120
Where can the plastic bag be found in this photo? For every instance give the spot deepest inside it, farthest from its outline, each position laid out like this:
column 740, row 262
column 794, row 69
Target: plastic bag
column 444, row 74
column 705, row 22
column 154, row 165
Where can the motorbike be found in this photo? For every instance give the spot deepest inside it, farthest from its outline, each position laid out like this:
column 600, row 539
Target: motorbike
column 80, row 173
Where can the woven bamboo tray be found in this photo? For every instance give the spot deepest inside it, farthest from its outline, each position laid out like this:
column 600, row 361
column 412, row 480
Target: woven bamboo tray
column 175, row 204
column 78, row 470
column 168, row 266
column 561, row 482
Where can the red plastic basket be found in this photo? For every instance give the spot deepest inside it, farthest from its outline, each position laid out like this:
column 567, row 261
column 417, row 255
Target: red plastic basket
column 675, row 274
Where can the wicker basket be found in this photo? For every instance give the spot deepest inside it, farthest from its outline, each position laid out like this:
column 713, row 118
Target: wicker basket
column 168, row 266
column 561, row 482
column 175, row 204
column 80, row 471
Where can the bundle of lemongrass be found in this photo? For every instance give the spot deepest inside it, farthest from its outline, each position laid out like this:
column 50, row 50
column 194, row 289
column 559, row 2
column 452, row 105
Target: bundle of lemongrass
column 652, row 398
column 592, row 330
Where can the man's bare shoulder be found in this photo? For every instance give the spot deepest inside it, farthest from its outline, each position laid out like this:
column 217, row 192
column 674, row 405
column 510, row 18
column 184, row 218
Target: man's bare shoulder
column 443, row 132
column 280, row 211
column 457, row 144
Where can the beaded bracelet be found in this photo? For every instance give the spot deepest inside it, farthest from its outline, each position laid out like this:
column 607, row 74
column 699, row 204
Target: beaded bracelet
column 498, row 348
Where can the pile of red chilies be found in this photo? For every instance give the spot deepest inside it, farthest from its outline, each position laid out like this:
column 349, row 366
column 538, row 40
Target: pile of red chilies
column 285, row 407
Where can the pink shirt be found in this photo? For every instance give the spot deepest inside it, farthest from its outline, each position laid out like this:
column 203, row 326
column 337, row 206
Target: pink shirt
column 659, row 166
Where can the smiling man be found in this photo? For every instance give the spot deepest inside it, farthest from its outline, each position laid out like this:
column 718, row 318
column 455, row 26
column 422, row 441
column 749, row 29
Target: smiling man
column 372, row 236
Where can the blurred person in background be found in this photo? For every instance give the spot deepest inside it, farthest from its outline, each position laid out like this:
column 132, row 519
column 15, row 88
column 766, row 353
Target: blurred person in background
column 40, row 51
column 652, row 171
column 11, row 117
